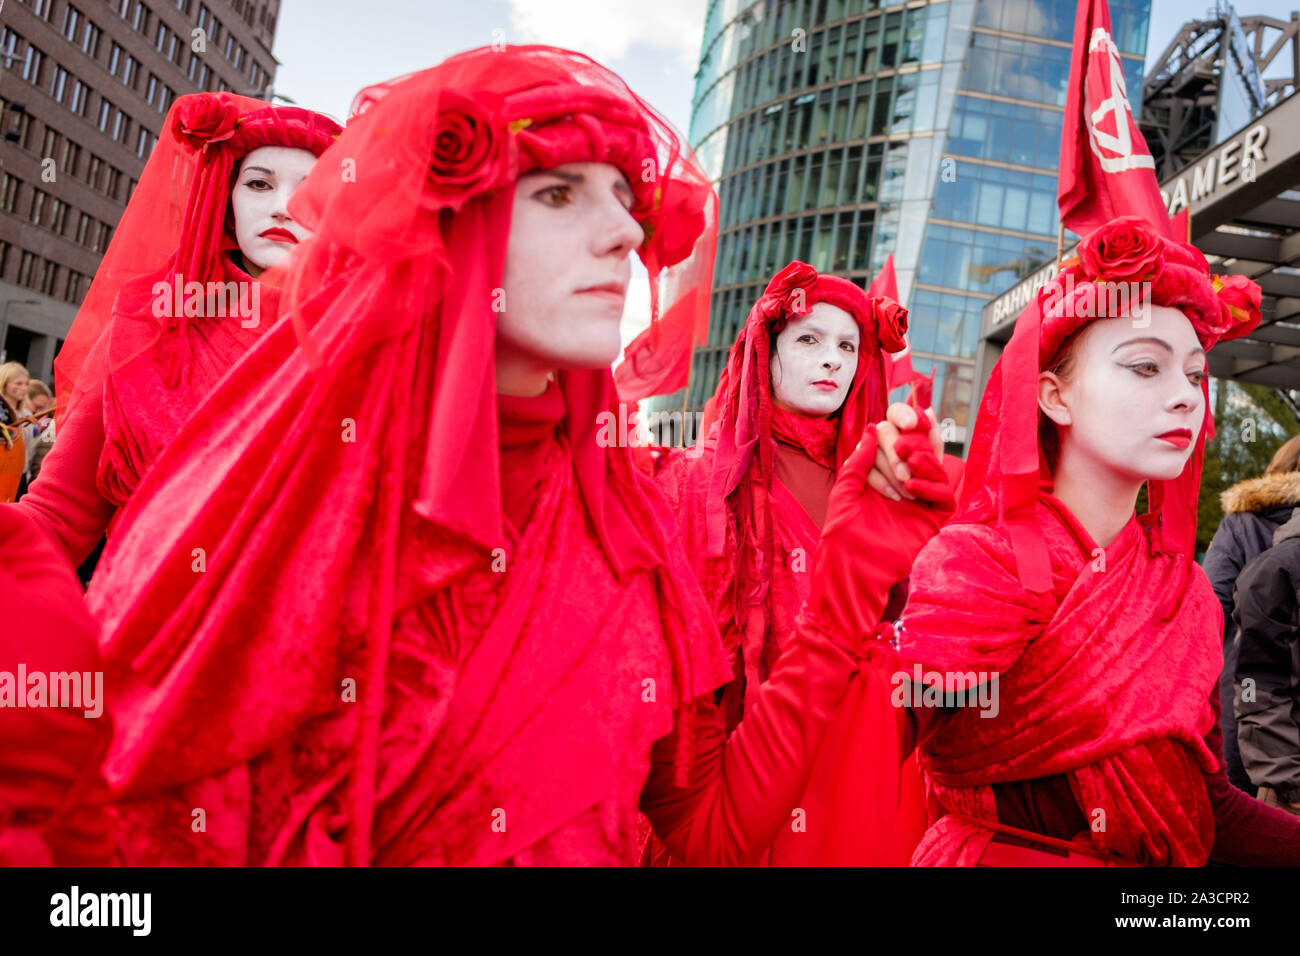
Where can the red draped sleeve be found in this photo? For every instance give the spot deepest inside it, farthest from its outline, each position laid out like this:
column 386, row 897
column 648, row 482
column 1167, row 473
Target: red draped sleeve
column 51, row 791
column 742, row 788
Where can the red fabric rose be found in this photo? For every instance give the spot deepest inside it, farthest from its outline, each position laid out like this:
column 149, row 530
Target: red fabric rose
column 1239, row 301
column 470, row 150
column 202, row 119
column 1123, row 250
column 891, row 323
column 779, row 298
column 673, row 229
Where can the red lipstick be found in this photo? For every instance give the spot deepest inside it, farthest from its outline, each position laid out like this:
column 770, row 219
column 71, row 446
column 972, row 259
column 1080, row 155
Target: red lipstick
column 1179, row 437
column 276, row 234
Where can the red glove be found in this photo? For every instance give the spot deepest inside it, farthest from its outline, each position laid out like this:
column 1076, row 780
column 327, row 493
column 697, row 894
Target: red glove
column 869, row 542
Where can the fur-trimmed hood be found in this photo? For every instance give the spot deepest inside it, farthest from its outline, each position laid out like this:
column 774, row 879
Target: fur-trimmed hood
column 1281, row 490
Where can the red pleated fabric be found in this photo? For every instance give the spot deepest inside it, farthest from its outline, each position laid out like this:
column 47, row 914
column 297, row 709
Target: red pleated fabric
column 374, row 665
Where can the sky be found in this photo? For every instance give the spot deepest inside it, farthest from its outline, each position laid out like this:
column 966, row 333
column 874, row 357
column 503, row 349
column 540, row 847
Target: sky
column 330, row 49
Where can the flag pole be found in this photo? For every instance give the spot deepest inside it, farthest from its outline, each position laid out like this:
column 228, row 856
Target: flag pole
column 1060, row 245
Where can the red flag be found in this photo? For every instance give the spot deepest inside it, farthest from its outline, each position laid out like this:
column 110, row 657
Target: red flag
column 1106, row 168
column 886, row 284
column 1181, row 223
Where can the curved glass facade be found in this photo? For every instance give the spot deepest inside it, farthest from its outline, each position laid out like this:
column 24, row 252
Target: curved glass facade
column 839, row 131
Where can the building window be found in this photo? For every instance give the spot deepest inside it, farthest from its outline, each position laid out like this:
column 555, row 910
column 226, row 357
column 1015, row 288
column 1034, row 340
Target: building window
column 151, row 89
column 114, row 56
column 102, row 233
column 71, row 20
column 43, row 8
column 49, row 143
column 194, row 66
column 105, row 111
column 203, row 16
column 70, row 156
column 9, row 46
column 142, row 141
column 114, row 185
column 123, row 8
column 129, row 70
column 255, row 73
column 161, row 38
column 59, row 83
column 83, row 229
column 32, row 65
column 183, row 6
column 140, row 20
column 58, row 215
column 230, row 47
column 4, row 257
column 49, row 276
column 76, row 283
column 90, row 40
column 204, row 72
column 9, row 192
column 37, row 213
column 165, row 98
column 121, row 126
column 26, row 266
column 94, row 170
column 79, row 97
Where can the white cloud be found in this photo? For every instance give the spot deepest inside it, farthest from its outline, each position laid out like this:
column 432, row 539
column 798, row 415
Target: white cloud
column 605, row 31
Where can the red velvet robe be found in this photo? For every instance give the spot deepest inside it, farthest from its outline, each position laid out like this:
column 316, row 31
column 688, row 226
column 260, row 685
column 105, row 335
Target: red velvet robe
column 151, row 385
column 527, row 715
column 1105, row 690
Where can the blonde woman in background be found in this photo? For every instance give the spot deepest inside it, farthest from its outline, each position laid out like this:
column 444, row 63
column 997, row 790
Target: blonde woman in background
column 13, row 447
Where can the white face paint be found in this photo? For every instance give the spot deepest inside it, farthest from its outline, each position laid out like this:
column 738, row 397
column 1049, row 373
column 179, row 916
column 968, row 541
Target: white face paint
column 1133, row 404
column 814, row 361
column 567, row 270
column 265, row 231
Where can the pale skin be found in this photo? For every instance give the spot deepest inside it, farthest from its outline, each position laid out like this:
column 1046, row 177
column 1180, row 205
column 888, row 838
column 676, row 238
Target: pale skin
column 1128, row 386
column 815, row 359
column 265, row 231
column 567, row 270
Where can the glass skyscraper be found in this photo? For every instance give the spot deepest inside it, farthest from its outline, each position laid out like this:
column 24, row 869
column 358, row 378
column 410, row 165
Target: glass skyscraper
column 839, row 131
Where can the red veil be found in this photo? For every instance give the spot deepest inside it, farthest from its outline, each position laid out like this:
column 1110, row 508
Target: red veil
column 323, row 512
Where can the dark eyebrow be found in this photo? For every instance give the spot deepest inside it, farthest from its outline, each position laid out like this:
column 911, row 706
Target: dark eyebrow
column 260, row 169
column 1155, row 341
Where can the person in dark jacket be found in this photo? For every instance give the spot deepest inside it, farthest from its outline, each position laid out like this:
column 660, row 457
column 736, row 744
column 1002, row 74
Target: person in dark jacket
column 1266, row 682
column 1252, row 511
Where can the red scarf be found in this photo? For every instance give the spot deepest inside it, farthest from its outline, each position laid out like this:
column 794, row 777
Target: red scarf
column 818, row 437
column 1106, row 678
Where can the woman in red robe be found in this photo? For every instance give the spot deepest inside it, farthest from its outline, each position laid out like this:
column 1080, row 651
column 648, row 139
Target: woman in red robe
column 807, row 374
column 441, row 622
column 175, row 303
column 1062, row 651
